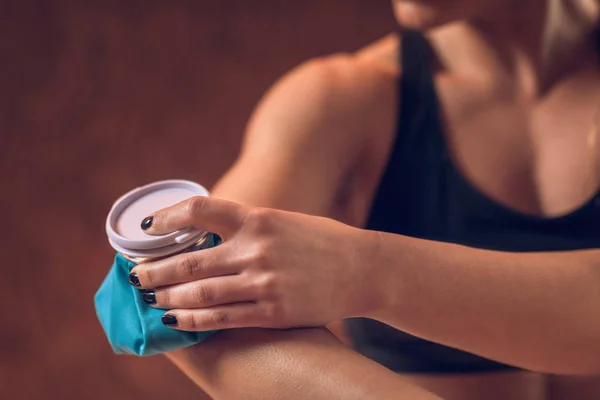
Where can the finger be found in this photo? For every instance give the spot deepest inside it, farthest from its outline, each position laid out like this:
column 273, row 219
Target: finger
column 200, row 294
column 224, row 317
column 205, row 213
column 182, row 268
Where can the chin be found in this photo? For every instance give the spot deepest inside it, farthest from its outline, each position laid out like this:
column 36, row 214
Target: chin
column 418, row 16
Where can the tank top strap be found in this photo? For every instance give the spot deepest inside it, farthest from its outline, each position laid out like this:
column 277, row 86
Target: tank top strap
column 420, row 127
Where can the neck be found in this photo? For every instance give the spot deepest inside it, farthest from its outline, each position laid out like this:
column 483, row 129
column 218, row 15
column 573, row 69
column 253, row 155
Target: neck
column 536, row 42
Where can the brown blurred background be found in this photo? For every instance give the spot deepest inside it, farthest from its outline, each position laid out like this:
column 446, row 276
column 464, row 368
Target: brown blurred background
column 97, row 97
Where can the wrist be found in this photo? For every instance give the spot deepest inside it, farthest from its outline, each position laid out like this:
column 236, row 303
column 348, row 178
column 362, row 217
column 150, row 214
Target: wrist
column 376, row 277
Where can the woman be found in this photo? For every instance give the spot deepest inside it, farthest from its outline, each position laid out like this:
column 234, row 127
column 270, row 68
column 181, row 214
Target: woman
column 477, row 181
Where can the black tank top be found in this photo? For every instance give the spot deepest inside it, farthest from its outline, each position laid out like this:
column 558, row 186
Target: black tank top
column 423, row 195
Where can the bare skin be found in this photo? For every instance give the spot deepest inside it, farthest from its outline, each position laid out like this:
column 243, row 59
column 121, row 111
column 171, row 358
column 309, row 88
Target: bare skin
column 297, row 364
column 318, row 143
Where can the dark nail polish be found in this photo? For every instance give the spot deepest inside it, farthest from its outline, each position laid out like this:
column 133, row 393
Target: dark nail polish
column 134, row 280
column 168, row 319
column 147, row 223
column 149, row 296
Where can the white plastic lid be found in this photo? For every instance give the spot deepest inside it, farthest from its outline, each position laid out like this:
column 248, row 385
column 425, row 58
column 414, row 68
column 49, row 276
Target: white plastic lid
column 123, row 224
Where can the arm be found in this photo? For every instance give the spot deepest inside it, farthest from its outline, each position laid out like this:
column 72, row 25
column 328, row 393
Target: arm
column 539, row 311
column 294, row 364
column 536, row 311
column 300, row 147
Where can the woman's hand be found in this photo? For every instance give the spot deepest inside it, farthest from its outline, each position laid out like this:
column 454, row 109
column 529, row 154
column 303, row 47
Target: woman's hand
column 275, row 269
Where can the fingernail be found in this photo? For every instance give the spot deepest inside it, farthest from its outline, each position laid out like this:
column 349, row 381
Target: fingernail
column 147, row 223
column 169, row 319
column 134, row 280
column 149, row 296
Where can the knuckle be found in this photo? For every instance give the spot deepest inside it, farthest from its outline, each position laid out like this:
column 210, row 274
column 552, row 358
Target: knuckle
column 262, row 254
column 194, row 206
column 260, row 219
column 187, row 267
column 203, row 295
column 219, row 319
column 268, row 287
column 192, row 321
column 272, row 312
column 147, row 276
column 163, row 297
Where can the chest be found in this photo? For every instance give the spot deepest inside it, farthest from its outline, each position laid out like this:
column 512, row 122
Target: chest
column 540, row 158
column 484, row 170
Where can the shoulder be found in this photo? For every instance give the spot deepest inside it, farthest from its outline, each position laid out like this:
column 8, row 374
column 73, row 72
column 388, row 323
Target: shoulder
column 319, row 124
column 338, row 95
column 359, row 76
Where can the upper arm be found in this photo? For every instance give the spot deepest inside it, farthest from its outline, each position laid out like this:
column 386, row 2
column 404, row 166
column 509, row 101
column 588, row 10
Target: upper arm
column 306, row 136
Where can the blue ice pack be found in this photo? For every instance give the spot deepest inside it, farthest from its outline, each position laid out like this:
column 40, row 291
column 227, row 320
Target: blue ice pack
column 131, row 325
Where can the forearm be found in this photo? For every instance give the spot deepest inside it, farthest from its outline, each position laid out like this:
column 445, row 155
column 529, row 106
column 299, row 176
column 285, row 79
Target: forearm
column 539, row 311
column 292, row 364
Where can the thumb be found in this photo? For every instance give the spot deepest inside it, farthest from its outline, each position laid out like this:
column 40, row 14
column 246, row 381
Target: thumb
column 205, row 213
